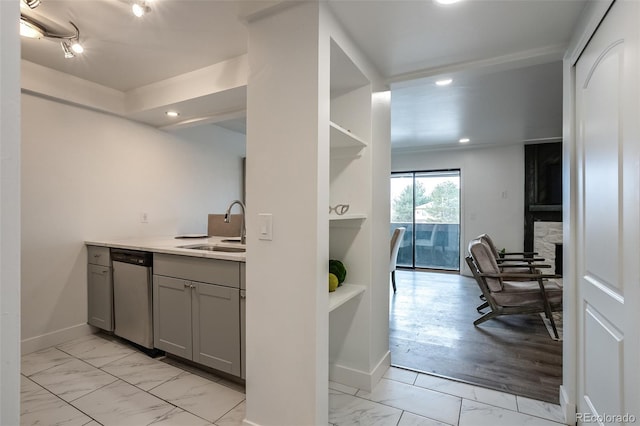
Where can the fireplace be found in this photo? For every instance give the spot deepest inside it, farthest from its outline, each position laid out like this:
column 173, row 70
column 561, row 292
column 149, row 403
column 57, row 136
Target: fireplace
column 547, row 236
column 543, row 200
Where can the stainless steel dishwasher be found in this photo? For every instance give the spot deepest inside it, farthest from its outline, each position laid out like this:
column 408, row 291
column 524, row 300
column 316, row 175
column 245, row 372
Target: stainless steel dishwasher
column 132, row 295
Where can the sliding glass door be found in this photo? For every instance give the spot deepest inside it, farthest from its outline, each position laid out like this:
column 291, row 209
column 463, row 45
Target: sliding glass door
column 427, row 204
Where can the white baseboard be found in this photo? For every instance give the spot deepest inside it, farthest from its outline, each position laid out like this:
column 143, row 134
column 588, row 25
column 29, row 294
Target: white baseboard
column 378, row 371
column 568, row 408
column 246, row 422
column 358, row 378
column 53, row 338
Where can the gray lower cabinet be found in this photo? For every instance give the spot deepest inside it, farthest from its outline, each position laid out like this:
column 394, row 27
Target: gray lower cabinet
column 216, row 327
column 197, row 321
column 99, row 288
column 172, row 315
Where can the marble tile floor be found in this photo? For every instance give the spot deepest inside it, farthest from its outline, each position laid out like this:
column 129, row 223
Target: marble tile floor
column 98, row 380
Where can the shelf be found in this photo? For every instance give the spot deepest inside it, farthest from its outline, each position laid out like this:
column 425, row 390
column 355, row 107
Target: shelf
column 354, row 216
column 343, row 138
column 343, row 294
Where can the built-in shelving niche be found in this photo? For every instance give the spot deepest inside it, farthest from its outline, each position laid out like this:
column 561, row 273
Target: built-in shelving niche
column 350, row 133
column 343, row 294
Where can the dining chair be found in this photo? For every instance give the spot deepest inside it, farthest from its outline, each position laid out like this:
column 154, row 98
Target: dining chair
column 396, row 239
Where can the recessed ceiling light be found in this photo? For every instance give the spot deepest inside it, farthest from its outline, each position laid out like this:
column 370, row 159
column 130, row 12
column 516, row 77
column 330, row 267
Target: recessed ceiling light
column 444, row 82
column 446, row 1
column 172, row 113
column 464, row 140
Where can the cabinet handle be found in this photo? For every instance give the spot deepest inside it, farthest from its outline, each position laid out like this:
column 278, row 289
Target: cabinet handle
column 187, row 285
column 192, row 286
column 97, row 255
column 243, row 296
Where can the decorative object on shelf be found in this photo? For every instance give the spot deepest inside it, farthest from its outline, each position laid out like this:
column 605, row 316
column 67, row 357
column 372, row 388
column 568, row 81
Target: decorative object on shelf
column 339, row 209
column 333, row 282
column 337, row 268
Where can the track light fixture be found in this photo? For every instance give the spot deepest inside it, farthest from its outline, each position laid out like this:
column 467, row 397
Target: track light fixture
column 140, row 8
column 30, row 29
column 70, row 42
column 66, row 48
column 32, row 3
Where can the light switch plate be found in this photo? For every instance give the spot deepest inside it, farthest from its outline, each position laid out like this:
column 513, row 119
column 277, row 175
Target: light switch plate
column 266, row 226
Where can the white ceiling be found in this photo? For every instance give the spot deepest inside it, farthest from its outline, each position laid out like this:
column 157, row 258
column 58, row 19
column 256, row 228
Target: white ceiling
column 494, row 50
column 496, row 108
column 124, row 52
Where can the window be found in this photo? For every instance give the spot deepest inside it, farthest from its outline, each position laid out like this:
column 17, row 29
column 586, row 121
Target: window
column 427, row 204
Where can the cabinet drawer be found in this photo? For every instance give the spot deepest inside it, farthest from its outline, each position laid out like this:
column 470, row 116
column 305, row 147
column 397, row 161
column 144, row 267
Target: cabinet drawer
column 211, row 271
column 98, row 255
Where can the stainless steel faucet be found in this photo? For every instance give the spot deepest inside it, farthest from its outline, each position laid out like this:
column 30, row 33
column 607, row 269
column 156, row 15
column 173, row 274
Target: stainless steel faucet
column 227, row 219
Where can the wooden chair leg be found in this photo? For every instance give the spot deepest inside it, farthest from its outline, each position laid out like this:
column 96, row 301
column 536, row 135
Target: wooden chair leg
column 486, row 317
column 547, row 308
column 481, row 307
column 549, row 316
column 393, row 280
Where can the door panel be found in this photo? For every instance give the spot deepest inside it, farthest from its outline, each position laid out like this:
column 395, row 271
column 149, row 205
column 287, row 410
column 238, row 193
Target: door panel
column 601, row 179
column 172, row 315
column 608, row 235
column 602, row 389
column 100, row 296
column 216, row 327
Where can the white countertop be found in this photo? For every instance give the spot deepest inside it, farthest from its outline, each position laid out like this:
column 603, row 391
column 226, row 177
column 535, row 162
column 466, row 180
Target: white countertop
column 170, row 245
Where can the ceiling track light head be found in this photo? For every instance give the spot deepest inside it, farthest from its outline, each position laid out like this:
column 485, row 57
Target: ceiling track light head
column 140, row 8
column 66, row 48
column 32, row 3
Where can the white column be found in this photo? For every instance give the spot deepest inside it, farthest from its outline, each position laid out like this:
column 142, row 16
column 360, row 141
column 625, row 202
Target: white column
column 287, row 177
column 9, row 213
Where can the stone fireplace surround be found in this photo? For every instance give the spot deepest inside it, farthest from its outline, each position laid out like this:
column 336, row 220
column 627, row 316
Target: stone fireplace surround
column 545, row 237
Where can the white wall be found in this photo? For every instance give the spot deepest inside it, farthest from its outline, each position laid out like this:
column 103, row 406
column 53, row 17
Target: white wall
column 287, row 176
column 88, row 175
column 9, row 214
column 485, row 173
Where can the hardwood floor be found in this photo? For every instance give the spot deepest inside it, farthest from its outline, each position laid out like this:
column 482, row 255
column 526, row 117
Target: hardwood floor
column 431, row 330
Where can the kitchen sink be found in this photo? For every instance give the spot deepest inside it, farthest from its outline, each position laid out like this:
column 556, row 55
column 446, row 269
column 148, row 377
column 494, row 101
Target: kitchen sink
column 213, row 247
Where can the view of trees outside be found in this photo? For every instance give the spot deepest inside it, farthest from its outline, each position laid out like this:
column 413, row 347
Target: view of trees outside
column 431, row 200
column 402, row 206
column 439, row 205
column 443, row 205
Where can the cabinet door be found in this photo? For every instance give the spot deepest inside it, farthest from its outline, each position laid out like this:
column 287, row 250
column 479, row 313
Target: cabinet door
column 100, row 297
column 172, row 315
column 216, row 327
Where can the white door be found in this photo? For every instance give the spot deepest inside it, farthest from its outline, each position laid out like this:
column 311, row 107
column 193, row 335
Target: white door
column 608, row 237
